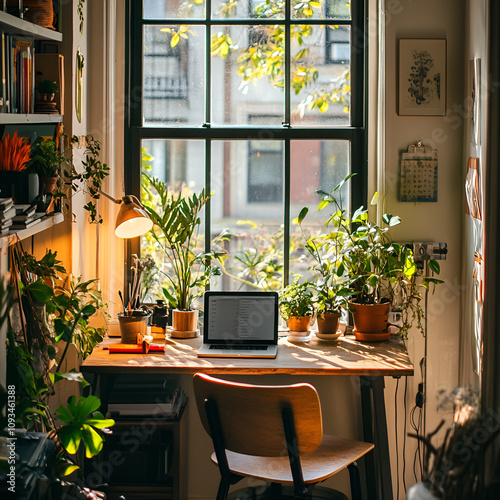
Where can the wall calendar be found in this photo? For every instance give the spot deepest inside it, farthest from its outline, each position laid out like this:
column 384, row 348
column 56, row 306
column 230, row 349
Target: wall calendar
column 418, row 173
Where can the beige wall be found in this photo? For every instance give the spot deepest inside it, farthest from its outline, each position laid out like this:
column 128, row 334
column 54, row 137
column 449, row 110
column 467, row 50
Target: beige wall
column 439, row 222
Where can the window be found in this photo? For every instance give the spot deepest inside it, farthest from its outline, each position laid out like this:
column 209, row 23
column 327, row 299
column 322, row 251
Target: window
column 262, row 103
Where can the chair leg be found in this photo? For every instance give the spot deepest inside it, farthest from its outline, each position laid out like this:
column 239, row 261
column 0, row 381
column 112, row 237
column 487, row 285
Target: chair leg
column 355, row 481
column 275, row 491
column 223, row 490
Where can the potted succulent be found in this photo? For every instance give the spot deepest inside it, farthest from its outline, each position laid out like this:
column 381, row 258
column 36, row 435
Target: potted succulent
column 176, row 219
column 379, row 270
column 296, row 307
column 332, row 288
column 46, row 161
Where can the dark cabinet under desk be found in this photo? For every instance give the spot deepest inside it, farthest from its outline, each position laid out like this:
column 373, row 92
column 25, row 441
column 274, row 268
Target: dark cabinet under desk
column 145, row 457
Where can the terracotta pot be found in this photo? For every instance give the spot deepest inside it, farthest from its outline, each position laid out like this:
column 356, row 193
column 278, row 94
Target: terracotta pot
column 328, row 323
column 184, row 324
column 370, row 320
column 299, row 323
column 48, row 184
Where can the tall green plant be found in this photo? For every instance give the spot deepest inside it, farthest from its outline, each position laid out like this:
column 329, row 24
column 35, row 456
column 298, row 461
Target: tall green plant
column 176, row 224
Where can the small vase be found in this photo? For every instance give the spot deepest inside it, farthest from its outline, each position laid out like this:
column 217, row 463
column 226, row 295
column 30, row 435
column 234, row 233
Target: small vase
column 48, row 184
column 22, row 186
column 184, row 324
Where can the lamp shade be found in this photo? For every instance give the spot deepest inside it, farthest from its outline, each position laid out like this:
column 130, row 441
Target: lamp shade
column 132, row 220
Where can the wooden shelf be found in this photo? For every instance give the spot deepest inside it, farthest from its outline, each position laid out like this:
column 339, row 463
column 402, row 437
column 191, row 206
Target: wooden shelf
column 14, row 236
column 15, row 118
column 17, row 26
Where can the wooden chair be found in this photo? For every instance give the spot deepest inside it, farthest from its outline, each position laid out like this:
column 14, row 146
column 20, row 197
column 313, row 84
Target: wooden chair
column 274, row 433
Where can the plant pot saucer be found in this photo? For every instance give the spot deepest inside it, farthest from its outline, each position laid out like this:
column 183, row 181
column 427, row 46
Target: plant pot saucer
column 371, row 337
column 181, row 334
column 329, row 336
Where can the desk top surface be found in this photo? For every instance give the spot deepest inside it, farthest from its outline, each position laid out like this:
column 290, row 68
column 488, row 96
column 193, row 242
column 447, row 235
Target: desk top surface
column 344, row 356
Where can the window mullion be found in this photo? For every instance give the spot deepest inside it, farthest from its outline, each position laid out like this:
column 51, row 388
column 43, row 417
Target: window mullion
column 287, row 62
column 208, row 65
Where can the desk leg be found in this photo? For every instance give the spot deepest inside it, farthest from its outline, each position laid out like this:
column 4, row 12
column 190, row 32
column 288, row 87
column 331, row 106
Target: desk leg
column 375, row 431
column 366, row 409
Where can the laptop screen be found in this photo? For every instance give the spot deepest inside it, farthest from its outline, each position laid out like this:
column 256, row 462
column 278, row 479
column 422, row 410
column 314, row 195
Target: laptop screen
column 241, row 317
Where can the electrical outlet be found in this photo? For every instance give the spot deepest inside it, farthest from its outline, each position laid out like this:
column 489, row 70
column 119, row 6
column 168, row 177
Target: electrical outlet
column 396, row 318
column 425, row 250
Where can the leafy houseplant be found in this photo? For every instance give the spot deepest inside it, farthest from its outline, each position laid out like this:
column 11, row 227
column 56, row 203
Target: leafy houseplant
column 46, row 161
column 379, row 270
column 332, row 288
column 47, row 87
column 57, row 311
column 176, row 221
column 296, row 305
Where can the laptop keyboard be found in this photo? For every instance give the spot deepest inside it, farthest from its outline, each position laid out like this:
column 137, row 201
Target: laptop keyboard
column 239, row 347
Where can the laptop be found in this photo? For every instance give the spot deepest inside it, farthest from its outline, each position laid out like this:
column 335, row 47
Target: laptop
column 240, row 324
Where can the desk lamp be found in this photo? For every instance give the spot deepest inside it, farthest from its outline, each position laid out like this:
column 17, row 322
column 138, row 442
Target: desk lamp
column 132, row 220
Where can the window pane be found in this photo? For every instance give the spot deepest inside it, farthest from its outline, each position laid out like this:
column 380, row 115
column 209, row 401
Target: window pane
column 320, row 77
column 314, row 165
column 247, row 182
column 321, row 9
column 248, row 9
column 247, row 74
column 174, row 75
column 181, row 165
column 173, row 9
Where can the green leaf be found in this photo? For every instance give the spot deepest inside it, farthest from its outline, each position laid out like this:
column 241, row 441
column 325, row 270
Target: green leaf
column 302, row 214
column 69, row 469
column 322, row 204
column 70, row 438
column 39, row 290
column 92, row 440
column 434, row 266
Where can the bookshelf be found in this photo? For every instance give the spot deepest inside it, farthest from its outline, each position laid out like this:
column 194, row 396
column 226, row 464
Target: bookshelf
column 17, row 118
column 14, row 236
column 16, row 26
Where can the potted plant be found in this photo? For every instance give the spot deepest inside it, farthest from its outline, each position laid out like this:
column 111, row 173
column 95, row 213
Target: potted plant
column 15, row 180
column 176, row 219
column 47, row 90
column 331, row 286
column 46, row 160
column 378, row 269
column 296, row 307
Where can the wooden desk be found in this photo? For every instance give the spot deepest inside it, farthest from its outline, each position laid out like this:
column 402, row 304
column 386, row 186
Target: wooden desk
column 346, row 356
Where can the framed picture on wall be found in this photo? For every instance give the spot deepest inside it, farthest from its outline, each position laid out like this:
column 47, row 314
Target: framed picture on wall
column 422, row 77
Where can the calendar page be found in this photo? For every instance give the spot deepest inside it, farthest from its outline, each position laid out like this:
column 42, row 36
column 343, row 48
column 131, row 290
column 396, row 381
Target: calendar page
column 418, row 174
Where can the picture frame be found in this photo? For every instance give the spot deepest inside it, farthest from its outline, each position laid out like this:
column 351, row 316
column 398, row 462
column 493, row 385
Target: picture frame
column 422, row 77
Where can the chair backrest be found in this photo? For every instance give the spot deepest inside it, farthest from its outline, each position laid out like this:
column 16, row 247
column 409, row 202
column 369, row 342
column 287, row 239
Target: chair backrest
column 251, row 415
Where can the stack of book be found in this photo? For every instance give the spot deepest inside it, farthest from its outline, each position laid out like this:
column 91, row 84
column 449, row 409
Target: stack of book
column 7, row 212
column 25, row 217
column 161, row 398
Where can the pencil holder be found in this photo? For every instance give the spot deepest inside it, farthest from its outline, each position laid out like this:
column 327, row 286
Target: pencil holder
column 131, row 327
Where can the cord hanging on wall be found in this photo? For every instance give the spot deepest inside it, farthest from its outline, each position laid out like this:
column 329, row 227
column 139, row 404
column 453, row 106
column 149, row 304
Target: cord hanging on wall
column 418, row 173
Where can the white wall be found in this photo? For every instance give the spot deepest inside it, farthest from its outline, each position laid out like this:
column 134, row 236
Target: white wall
column 438, row 222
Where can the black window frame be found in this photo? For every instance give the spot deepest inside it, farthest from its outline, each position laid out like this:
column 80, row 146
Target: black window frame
column 135, row 132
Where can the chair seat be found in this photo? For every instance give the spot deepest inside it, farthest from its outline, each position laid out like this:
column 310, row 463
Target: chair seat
column 333, row 454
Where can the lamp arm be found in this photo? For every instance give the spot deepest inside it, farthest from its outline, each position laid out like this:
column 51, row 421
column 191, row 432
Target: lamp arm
column 110, row 197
